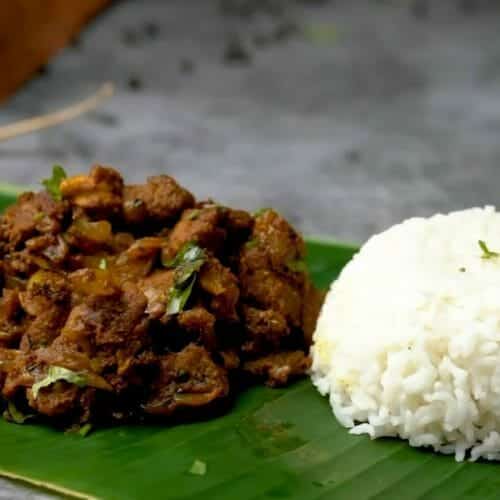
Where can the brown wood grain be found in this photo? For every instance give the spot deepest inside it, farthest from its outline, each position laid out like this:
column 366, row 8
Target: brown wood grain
column 31, row 31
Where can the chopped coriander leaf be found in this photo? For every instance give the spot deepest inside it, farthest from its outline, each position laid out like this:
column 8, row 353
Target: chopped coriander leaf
column 188, row 253
column 192, row 252
column 56, row 373
column 178, row 297
column 297, row 265
column 211, row 205
column 13, row 414
column 254, row 242
column 82, row 430
column 85, row 429
column 184, row 272
column 39, row 216
column 135, row 203
column 261, row 211
column 53, row 184
column 194, row 214
column 103, row 264
column 487, row 253
column 199, row 468
column 186, row 263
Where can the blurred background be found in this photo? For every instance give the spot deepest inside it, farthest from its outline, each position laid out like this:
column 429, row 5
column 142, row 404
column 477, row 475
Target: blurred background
column 346, row 115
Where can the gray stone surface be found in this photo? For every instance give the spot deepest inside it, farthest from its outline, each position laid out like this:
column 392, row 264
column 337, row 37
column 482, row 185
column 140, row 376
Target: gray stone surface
column 394, row 117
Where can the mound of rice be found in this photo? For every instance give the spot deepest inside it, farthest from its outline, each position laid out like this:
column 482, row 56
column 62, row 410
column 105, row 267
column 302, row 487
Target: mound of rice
column 408, row 341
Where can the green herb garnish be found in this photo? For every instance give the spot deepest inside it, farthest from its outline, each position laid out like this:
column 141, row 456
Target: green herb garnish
column 39, row 216
column 57, row 373
column 185, row 271
column 261, row 211
column 53, row 184
column 194, row 214
column 487, row 253
column 190, row 252
column 85, row 429
column 254, row 242
column 199, row 468
column 135, row 203
column 211, row 204
column 81, row 430
column 178, row 297
column 103, row 264
column 13, row 414
column 186, row 263
column 297, row 265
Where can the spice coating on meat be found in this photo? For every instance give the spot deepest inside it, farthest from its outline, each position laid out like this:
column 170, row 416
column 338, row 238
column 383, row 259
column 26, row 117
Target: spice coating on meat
column 161, row 199
column 32, row 215
column 98, row 194
column 188, row 379
column 136, row 301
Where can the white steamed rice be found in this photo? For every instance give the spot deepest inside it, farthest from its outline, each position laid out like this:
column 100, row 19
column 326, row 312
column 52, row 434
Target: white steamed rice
column 408, row 341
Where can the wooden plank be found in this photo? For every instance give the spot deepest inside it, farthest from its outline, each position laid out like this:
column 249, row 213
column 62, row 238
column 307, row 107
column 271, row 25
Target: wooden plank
column 31, row 31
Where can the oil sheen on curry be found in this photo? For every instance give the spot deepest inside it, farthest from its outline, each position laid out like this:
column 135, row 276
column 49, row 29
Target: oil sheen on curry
column 134, row 302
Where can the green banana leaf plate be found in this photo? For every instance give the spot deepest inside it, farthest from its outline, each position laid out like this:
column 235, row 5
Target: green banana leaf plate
column 273, row 444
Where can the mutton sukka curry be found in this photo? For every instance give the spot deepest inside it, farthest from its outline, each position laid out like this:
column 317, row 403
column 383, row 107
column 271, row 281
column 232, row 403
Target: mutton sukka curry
column 135, row 302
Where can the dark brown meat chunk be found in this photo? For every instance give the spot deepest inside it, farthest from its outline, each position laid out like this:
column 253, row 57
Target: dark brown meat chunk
column 11, row 316
column 278, row 369
column 11, row 364
column 313, row 300
column 63, row 398
column 86, row 283
column 43, row 329
column 238, row 222
column 52, row 248
column 41, row 252
column 270, row 291
column 98, row 194
column 114, row 319
column 273, row 245
column 230, row 359
column 156, row 288
column 222, row 286
column 22, row 264
column 45, row 290
column 32, row 215
column 265, row 329
column 200, row 226
column 161, row 199
column 63, row 354
column 138, row 260
column 199, row 324
column 19, row 369
column 59, row 399
column 46, row 301
column 10, row 306
column 188, row 379
column 110, row 331
column 238, row 225
column 90, row 237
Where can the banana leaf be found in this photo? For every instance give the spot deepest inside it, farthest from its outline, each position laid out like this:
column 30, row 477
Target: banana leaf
column 272, row 444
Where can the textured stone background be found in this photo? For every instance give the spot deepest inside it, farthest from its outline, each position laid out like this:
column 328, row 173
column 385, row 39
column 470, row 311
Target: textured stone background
column 389, row 113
